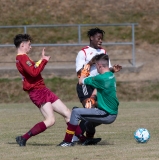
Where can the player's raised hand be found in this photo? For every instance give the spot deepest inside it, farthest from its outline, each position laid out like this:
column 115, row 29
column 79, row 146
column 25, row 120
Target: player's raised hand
column 117, row 68
column 85, row 71
column 44, row 56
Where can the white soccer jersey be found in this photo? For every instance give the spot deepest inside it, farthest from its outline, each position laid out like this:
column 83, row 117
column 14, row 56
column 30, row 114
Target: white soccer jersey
column 85, row 55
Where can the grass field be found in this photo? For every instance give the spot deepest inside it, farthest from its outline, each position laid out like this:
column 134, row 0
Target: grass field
column 117, row 138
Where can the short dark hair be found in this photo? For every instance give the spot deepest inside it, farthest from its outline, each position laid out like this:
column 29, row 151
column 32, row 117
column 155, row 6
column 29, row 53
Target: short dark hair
column 19, row 38
column 104, row 58
column 94, row 31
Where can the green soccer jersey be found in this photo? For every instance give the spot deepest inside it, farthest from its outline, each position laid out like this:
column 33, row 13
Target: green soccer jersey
column 106, row 91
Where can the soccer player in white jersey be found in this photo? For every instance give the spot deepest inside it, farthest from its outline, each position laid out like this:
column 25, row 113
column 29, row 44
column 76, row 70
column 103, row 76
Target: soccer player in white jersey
column 84, row 57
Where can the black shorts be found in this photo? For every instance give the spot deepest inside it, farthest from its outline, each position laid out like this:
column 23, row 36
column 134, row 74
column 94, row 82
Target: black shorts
column 84, row 91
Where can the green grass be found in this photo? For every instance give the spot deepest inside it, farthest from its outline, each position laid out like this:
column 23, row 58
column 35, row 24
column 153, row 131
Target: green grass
column 11, row 90
column 117, row 138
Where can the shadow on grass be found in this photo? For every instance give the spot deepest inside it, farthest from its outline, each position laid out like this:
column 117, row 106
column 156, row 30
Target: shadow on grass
column 105, row 143
column 32, row 144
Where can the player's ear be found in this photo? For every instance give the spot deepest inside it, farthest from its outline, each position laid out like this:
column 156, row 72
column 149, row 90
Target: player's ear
column 22, row 44
column 91, row 38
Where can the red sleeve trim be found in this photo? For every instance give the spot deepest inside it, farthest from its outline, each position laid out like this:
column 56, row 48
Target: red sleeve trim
column 83, row 49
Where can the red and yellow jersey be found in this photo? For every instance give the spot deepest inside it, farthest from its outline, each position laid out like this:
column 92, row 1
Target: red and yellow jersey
column 31, row 73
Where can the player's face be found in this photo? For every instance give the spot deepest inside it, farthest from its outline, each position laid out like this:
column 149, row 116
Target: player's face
column 96, row 41
column 27, row 46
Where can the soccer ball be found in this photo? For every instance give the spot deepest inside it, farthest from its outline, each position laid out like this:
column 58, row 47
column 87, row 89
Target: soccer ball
column 141, row 135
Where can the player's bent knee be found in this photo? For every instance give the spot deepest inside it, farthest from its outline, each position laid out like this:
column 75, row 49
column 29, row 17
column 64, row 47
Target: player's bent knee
column 74, row 111
column 50, row 122
column 67, row 114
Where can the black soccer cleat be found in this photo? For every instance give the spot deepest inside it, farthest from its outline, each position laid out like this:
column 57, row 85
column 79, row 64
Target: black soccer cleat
column 66, row 144
column 21, row 141
column 91, row 141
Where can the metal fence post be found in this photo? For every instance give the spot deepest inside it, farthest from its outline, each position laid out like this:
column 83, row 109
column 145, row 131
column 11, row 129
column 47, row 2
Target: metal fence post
column 25, row 29
column 133, row 45
column 79, row 34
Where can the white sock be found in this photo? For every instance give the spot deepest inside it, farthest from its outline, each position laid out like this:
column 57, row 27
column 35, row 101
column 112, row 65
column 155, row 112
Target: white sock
column 75, row 138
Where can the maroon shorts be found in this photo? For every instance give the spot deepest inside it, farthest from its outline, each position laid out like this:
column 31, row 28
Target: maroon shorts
column 41, row 96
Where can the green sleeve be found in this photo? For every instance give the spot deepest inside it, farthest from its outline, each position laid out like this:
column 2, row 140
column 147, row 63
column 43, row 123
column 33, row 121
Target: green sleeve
column 95, row 81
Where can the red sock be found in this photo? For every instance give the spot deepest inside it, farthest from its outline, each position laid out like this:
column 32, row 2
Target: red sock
column 69, row 132
column 78, row 133
column 78, row 129
column 38, row 128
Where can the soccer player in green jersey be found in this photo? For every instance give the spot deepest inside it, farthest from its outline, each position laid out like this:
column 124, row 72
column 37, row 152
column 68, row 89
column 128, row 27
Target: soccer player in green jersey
column 106, row 109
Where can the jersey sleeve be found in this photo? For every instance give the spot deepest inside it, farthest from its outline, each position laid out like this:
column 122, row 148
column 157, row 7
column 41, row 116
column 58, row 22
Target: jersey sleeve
column 38, row 63
column 95, row 81
column 80, row 60
column 30, row 67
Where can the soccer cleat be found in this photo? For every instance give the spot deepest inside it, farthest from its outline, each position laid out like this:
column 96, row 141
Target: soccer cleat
column 91, row 141
column 66, row 144
column 21, row 141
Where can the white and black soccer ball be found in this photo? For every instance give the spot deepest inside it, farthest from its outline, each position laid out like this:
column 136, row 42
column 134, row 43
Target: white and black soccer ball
column 142, row 135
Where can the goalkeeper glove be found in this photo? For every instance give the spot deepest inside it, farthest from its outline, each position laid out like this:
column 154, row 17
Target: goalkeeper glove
column 90, row 102
column 85, row 71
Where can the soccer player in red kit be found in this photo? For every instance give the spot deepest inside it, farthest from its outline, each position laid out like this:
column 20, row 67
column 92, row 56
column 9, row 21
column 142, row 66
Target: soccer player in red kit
column 33, row 83
column 41, row 96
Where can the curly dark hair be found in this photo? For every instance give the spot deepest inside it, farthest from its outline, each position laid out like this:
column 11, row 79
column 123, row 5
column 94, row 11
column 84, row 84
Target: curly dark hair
column 19, row 38
column 94, row 31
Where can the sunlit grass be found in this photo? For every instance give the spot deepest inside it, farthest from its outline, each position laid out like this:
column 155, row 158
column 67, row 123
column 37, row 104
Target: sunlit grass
column 117, row 138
